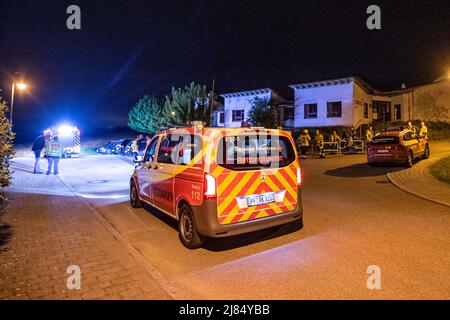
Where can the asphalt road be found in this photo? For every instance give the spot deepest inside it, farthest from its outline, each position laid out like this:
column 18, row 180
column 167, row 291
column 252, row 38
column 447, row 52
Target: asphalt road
column 353, row 218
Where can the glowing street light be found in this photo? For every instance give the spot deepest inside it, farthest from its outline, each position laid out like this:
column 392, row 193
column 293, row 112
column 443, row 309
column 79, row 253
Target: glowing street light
column 21, row 86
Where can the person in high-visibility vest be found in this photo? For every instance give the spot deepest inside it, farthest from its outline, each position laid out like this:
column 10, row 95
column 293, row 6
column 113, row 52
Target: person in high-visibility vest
column 423, row 133
column 53, row 151
column 410, row 126
column 335, row 139
column 369, row 135
column 304, row 140
column 319, row 141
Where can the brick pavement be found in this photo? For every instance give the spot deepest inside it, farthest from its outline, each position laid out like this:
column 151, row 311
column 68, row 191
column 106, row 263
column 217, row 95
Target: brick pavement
column 419, row 181
column 47, row 229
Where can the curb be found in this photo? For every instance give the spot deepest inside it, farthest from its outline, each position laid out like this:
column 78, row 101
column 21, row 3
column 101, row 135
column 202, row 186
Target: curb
column 398, row 185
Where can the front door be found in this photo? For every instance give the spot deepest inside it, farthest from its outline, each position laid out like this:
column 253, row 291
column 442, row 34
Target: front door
column 163, row 175
column 145, row 170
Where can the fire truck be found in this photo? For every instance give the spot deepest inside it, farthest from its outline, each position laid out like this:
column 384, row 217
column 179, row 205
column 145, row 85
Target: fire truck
column 69, row 137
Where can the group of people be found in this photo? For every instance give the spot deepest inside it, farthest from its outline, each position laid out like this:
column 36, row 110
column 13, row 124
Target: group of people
column 307, row 143
column 422, row 132
column 52, row 149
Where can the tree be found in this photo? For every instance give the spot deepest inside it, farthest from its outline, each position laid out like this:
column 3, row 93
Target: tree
column 147, row 116
column 189, row 104
column 428, row 107
column 6, row 152
column 262, row 113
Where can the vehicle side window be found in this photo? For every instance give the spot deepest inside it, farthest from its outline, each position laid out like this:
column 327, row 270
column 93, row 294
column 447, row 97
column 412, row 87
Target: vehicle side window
column 190, row 146
column 407, row 136
column 150, row 152
column 166, row 148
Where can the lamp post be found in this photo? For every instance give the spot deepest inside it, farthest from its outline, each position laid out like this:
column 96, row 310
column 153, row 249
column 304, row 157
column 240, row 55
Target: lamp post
column 21, row 86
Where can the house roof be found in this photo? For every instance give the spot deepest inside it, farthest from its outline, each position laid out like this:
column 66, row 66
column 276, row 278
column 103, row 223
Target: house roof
column 333, row 82
column 247, row 93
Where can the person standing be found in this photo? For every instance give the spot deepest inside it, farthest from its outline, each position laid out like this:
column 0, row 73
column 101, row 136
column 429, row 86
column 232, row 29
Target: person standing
column 423, row 133
column 304, row 140
column 135, row 148
column 38, row 146
column 411, row 127
column 335, row 139
column 319, row 141
column 369, row 136
column 54, row 152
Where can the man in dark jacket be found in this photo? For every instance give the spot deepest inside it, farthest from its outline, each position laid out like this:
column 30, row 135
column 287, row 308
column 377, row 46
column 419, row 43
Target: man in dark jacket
column 37, row 147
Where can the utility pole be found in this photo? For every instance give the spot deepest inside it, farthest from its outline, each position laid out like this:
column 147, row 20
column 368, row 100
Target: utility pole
column 211, row 102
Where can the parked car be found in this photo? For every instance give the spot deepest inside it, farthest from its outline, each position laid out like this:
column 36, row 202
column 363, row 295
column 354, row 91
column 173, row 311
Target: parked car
column 107, row 148
column 220, row 182
column 397, row 145
column 120, row 146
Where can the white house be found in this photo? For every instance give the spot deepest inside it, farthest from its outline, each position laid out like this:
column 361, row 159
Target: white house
column 351, row 101
column 237, row 105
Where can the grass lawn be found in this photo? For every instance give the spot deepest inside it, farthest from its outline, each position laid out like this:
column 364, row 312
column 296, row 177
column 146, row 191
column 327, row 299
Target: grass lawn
column 441, row 170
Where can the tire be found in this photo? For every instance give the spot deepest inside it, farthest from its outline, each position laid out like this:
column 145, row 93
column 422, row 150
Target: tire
column 426, row 153
column 187, row 230
column 135, row 202
column 410, row 159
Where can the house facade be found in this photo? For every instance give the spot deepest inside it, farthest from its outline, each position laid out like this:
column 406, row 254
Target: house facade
column 237, row 105
column 351, row 101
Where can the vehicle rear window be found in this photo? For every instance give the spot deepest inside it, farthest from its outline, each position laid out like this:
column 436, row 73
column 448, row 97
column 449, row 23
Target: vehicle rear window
column 385, row 140
column 253, row 152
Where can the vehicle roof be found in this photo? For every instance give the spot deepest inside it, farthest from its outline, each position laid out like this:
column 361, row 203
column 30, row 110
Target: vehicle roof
column 214, row 130
column 391, row 132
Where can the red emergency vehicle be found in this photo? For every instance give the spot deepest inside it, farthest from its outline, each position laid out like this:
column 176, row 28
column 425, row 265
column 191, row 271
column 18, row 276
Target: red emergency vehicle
column 219, row 182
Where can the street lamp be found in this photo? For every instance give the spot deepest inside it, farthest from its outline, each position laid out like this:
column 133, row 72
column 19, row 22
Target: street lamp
column 21, row 86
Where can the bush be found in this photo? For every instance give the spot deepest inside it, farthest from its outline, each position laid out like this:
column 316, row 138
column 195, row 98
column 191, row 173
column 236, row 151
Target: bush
column 441, row 170
column 6, row 152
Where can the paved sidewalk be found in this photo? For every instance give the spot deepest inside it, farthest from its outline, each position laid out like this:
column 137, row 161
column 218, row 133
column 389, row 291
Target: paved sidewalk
column 47, row 229
column 419, row 181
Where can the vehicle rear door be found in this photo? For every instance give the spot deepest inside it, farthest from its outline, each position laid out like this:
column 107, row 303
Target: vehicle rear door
column 256, row 177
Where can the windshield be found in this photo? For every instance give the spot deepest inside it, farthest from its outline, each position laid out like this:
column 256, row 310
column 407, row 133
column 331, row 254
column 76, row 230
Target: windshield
column 253, row 152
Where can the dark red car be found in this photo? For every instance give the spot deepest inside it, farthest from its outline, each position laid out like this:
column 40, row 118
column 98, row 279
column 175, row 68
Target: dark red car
column 397, row 145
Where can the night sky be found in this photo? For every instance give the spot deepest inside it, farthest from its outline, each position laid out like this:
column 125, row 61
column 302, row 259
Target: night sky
column 127, row 49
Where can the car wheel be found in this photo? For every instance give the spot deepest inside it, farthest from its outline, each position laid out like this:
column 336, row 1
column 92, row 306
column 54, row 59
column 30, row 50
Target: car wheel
column 410, row 159
column 135, row 202
column 187, row 229
column 426, row 153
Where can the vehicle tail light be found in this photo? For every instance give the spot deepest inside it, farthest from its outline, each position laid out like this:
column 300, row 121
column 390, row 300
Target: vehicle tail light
column 299, row 176
column 209, row 187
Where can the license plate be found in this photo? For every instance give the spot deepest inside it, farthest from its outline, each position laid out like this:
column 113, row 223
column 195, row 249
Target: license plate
column 382, row 151
column 261, row 199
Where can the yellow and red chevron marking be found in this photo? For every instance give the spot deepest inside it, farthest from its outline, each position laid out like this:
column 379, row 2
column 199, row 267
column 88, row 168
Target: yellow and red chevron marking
column 232, row 184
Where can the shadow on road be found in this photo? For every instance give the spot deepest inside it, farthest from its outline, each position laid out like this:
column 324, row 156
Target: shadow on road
column 228, row 243
column 5, row 235
column 362, row 170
